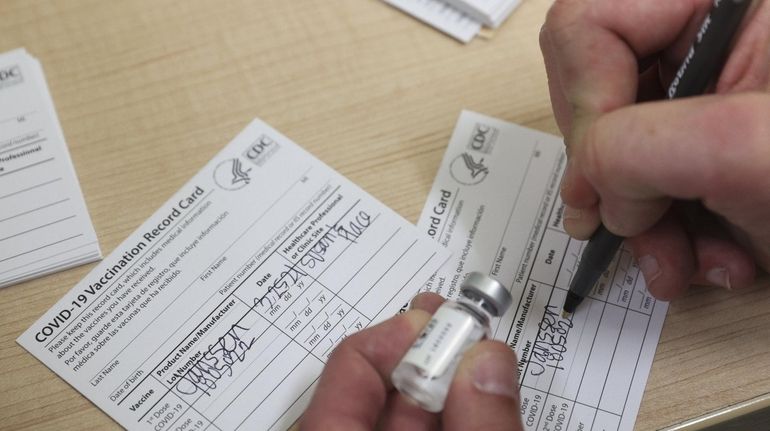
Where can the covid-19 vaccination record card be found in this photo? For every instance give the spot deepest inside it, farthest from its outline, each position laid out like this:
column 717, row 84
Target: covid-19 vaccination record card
column 495, row 203
column 220, row 311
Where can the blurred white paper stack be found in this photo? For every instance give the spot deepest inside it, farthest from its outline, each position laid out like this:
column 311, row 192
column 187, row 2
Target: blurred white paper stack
column 490, row 13
column 461, row 19
column 44, row 223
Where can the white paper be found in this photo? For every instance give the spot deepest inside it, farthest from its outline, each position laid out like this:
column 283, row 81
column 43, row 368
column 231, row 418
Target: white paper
column 491, row 13
column 495, row 205
column 220, row 311
column 44, row 223
column 441, row 16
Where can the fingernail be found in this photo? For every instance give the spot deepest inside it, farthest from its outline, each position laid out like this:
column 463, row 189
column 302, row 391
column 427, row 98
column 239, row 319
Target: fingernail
column 719, row 277
column 650, row 268
column 572, row 213
column 493, row 374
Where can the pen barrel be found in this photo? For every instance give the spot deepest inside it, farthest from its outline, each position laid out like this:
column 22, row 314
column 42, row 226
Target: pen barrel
column 708, row 52
column 596, row 258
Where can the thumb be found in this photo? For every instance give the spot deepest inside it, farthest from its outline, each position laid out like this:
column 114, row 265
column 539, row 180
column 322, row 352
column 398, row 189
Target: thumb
column 710, row 148
column 485, row 391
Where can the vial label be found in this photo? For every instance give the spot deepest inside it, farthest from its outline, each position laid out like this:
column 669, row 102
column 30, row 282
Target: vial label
column 442, row 340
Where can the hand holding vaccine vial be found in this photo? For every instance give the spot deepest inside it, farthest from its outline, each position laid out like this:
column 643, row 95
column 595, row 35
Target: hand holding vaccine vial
column 426, row 371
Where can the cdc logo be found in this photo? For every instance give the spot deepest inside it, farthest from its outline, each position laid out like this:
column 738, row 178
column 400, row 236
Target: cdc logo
column 483, row 138
column 10, row 76
column 261, row 150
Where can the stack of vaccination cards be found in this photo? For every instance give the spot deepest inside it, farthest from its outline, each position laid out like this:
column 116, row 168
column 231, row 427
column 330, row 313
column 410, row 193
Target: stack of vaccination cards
column 461, row 19
column 44, row 223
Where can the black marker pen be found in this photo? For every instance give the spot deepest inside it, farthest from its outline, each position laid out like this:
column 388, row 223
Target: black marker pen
column 702, row 64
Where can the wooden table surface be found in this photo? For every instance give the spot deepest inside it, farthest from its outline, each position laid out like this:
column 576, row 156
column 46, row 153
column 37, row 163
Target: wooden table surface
column 148, row 90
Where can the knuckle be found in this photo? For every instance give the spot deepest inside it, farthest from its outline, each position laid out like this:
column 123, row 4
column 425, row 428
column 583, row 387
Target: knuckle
column 560, row 19
column 557, row 12
column 590, row 154
column 607, row 148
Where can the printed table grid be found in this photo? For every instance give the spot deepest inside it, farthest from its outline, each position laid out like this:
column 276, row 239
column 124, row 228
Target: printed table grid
column 350, row 317
column 545, row 417
column 271, row 320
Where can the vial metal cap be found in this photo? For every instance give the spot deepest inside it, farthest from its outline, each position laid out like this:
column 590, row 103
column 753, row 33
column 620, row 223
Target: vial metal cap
column 494, row 293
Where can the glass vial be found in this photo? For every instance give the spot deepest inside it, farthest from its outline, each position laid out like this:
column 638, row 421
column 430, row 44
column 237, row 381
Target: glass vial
column 426, row 370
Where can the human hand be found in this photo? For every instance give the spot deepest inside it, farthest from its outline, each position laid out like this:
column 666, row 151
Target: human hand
column 355, row 393
column 631, row 165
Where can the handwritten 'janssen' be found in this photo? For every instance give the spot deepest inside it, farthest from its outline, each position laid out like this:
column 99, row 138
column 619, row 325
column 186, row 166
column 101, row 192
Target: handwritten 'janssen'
column 551, row 343
column 216, row 363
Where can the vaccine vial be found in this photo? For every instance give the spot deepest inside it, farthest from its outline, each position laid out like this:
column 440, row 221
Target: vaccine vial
column 426, row 370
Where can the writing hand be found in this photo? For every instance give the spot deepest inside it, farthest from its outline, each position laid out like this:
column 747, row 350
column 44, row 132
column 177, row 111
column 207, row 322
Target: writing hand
column 632, row 164
column 355, row 393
